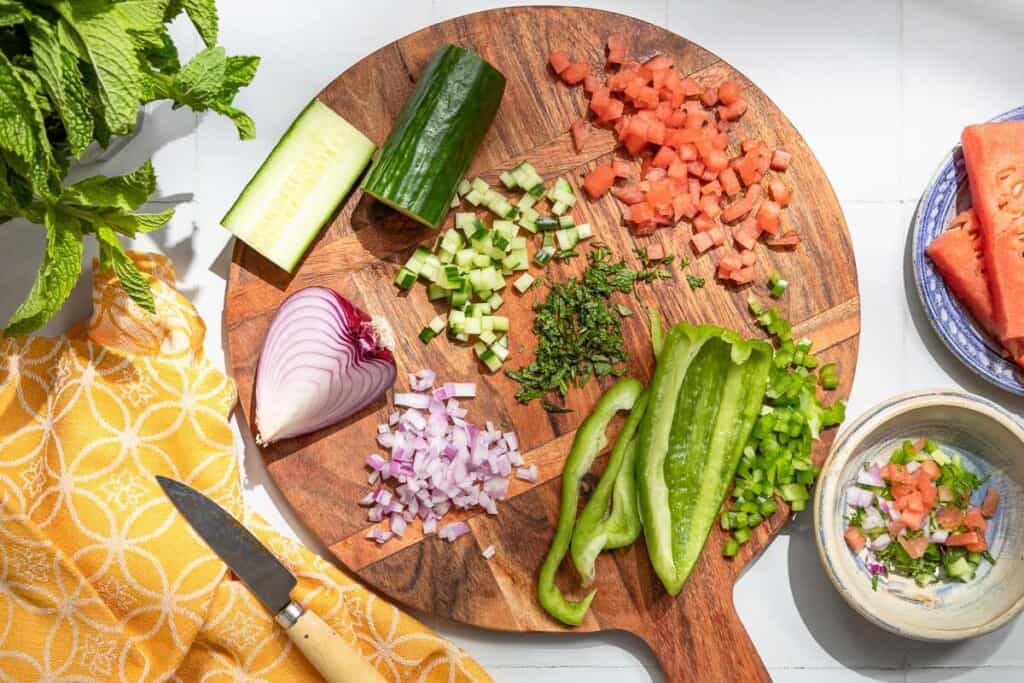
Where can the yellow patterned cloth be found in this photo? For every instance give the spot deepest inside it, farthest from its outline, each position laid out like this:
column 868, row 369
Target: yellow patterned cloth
column 100, row 578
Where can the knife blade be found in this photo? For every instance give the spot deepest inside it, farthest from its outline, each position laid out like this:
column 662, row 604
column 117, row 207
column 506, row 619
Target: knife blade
column 268, row 579
column 271, row 583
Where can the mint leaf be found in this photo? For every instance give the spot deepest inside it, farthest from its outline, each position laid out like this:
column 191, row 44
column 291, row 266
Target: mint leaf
column 110, row 51
column 22, row 131
column 11, row 13
column 134, row 283
column 245, row 125
column 211, row 80
column 200, row 82
column 238, row 73
column 131, row 224
column 127, row 192
column 58, row 273
column 140, row 15
column 58, row 71
column 203, row 14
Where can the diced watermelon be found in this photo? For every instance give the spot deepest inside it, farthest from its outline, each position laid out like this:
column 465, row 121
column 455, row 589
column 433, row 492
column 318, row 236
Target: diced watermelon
column 559, row 61
column 780, row 160
column 994, row 155
column 991, row 502
column 701, row 242
column 599, row 180
column 855, row 538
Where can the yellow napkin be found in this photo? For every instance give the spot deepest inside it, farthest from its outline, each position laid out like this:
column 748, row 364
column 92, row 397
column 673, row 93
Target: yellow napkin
column 100, row 578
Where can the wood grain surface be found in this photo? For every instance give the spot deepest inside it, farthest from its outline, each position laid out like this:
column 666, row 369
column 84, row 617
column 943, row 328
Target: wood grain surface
column 696, row 636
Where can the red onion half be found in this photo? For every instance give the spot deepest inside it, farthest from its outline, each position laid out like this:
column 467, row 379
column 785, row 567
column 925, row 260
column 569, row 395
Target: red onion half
column 323, row 359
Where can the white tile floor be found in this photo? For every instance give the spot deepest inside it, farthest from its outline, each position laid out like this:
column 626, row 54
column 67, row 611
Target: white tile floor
column 879, row 88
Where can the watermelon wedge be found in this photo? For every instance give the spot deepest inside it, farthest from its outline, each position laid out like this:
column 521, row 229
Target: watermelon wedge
column 994, row 155
column 956, row 254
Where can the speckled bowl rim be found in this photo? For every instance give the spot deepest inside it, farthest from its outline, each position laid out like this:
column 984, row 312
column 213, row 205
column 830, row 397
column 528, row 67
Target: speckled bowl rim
column 863, row 426
column 974, row 348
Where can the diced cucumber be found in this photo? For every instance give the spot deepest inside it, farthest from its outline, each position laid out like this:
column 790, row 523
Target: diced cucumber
column 480, row 186
column 427, row 335
column 495, row 301
column 487, row 337
column 435, row 292
column 452, row 241
column 526, row 202
column 456, row 202
column 558, row 208
column 464, row 187
column 546, row 223
column 508, row 180
column 500, row 323
column 566, row 221
column 503, row 341
column 524, row 282
column 445, row 256
column 296, row 190
column 584, row 231
column 567, row 238
column 543, row 255
column 489, row 358
column 500, row 350
column 405, row 279
column 475, row 198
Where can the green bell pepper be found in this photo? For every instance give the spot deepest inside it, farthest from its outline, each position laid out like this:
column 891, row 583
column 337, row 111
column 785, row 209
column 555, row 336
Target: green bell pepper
column 590, row 440
column 704, row 398
column 610, row 518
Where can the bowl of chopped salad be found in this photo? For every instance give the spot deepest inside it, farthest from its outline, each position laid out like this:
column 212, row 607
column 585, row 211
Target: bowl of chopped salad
column 919, row 516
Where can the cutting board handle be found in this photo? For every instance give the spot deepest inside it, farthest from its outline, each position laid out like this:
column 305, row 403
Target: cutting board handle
column 709, row 645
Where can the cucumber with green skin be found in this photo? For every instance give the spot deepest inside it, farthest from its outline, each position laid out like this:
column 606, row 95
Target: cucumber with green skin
column 436, row 135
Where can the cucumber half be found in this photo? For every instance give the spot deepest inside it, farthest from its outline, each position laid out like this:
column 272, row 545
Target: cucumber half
column 299, row 186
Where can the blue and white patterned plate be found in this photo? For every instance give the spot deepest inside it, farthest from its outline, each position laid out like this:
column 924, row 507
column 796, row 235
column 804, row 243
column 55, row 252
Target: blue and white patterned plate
column 947, row 194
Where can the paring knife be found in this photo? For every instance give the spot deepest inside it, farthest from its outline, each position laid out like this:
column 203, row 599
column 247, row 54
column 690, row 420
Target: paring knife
column 272, row 583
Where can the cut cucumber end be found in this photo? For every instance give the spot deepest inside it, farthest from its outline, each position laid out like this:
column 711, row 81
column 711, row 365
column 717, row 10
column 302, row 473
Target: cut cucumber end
column 300, row 185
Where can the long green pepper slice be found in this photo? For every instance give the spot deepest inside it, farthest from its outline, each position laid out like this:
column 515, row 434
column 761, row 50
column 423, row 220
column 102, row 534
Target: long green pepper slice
column 704, row 399
column 590, row 440
column 610, row 518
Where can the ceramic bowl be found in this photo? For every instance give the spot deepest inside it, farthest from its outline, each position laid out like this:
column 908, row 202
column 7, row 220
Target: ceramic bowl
column 947, row 194
column 991, row 443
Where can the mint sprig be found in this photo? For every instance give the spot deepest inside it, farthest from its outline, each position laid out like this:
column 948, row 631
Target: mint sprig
column 75, row 71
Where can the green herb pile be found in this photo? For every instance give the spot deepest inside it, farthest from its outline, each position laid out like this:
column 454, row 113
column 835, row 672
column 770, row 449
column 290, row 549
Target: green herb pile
column 74, row 72
column 777, row 457
column 579, row 331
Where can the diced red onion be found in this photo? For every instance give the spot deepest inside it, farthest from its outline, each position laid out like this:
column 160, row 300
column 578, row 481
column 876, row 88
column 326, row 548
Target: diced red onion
column 527, row 474
column 488, row 552
column 881, row 542
column 878, row 569
column 379, row 535
column 871, row 477
column 323, row 359
column 449, row 532
column 422, row 380
column 397, row 524
column 440, row 462
column 412, row 400
column 858, row 497
column 939, row 536
column 872, row 518
column 913, row 466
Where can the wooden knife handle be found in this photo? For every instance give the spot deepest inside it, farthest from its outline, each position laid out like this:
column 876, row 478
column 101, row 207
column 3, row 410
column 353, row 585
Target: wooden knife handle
column 332, row 656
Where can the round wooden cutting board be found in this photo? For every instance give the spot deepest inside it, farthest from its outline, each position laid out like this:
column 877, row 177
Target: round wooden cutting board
column 696, row 636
